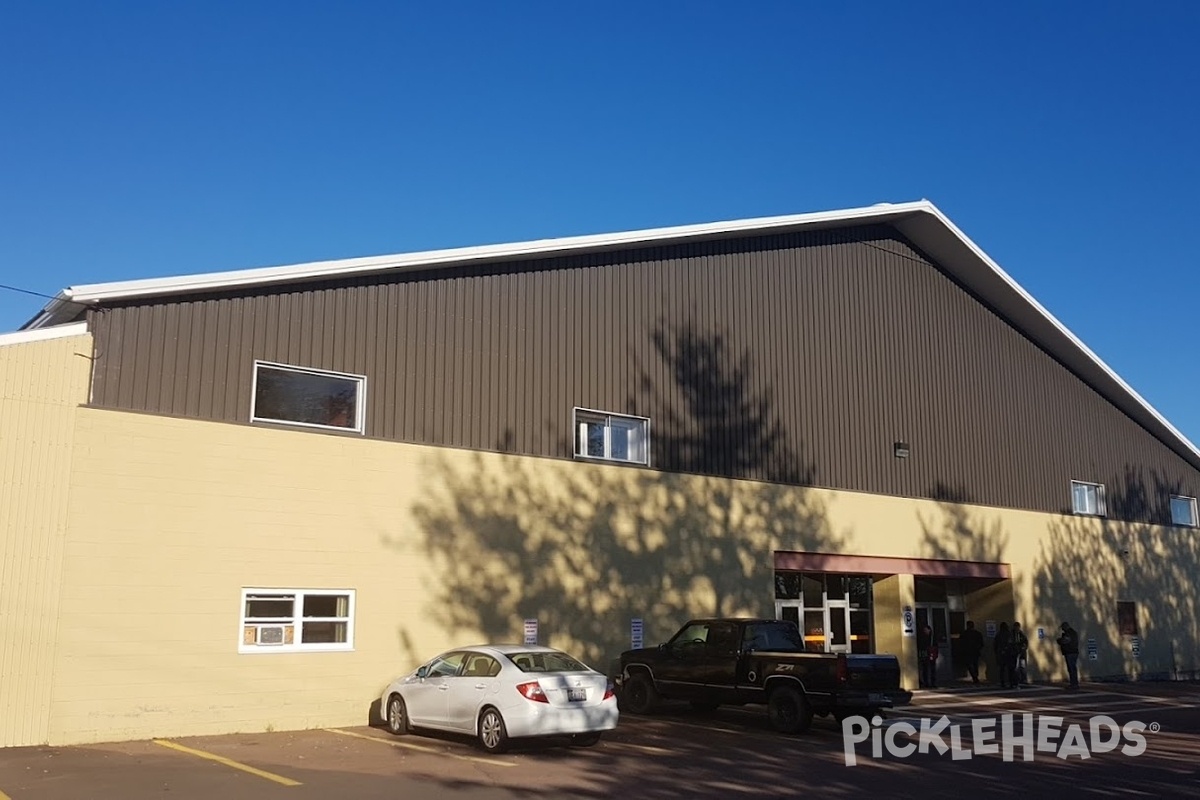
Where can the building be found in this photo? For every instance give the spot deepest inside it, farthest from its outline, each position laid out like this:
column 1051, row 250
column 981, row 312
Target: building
column 246, row 500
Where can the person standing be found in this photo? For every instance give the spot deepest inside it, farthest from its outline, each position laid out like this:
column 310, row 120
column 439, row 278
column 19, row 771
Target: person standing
column 1000, row 647
column 971, row 642
column 1068, row 643
column 1019, row 649
column 927, row 654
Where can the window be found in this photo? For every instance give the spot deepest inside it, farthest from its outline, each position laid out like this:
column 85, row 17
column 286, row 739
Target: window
column 546, row 662
column 286, row 620
column 1127, row 618
column 446, row 666
column 310, row 397
column 1183, row 511
column 481, row 666
column 613, row 437
column 1087, row 498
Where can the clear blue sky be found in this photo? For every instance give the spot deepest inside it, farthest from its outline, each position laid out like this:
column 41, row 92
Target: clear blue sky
column 151, row 139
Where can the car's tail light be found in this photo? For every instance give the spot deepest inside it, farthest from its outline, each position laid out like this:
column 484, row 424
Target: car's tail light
column 843, row 669
column 533, row 691
column 610, row 691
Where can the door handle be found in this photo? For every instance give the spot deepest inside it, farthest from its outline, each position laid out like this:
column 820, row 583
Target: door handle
column 481, row 686
column 443, row 688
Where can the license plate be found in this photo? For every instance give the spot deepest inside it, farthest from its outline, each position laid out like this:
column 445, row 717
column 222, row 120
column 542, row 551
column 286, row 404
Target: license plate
column 875, row 697
column 576, row 695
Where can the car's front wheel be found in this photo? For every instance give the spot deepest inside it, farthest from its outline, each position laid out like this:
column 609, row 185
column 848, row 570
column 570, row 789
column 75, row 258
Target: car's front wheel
column 397, row 716
column 493, row 736
column 789, row 710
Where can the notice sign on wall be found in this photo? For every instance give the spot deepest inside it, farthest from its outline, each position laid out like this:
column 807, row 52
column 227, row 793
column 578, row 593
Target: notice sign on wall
column 531, row 631
column 1135, row 644
column 1093, row 653
column 908, row 621
column 991, row 628
column 1041, row 633
column 635, row 634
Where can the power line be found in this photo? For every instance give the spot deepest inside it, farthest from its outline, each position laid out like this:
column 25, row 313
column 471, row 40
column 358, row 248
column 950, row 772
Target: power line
column 19, row 290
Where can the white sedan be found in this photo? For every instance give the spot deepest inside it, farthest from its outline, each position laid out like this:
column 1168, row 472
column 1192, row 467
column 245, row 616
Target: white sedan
column 503, row 692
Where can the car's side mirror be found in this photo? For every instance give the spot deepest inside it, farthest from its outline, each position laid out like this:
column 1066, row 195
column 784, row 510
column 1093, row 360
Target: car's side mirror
column 663, row 647
column 422, row 672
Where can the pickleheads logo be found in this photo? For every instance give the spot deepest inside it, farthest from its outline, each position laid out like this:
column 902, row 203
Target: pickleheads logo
column 1039, row 733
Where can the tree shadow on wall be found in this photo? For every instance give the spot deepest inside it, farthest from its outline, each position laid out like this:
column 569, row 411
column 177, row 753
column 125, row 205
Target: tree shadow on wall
column 1088, row 564
column 720, row 425
column 585, row 547
column 959, row 535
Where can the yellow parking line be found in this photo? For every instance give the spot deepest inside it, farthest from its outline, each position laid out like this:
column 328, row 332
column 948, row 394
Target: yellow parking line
column 421, row 748
column 3, row 796
column 229, row 762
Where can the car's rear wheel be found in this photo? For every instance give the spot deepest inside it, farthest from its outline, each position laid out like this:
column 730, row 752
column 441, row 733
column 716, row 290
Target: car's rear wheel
column 397, row 716
column 493, row 736
column 585, row 739
column 789, row 711
column 639, row 696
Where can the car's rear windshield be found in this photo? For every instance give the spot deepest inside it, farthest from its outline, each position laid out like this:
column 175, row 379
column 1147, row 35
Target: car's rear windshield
column 546, row 662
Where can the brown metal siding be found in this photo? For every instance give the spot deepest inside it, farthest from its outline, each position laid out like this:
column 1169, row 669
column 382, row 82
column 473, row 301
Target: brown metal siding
column 845, row 341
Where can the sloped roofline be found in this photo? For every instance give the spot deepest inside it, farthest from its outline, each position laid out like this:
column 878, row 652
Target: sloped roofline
column 921, row 222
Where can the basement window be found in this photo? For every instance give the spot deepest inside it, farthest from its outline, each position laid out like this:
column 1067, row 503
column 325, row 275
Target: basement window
column 612, row 437
column 290, row 620
column 310, row 398
column 1087, row 498
column 1183, row 511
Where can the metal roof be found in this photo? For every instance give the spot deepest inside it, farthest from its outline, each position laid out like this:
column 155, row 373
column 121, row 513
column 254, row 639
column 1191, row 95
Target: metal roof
column 920, row 222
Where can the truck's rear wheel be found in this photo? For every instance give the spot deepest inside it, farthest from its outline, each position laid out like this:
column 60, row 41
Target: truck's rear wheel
column 639, row 696
column 789, row 710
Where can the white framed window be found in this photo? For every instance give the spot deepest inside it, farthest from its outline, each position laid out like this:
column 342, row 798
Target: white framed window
column 1088, row 498
column 312, row 398
column 612, row 437
column 291, row 620
column 1183, row 511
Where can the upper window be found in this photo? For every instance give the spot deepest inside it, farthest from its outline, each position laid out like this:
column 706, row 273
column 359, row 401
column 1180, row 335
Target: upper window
column 613, row 437
column 297, row 619
column 1087, row 498
column 1183, row 511
column 310, row 397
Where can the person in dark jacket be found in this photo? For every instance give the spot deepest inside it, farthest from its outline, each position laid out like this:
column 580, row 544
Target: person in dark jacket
column 1018, row 645
column 927, row 654
column 971, row 642
column 1002, row 646
column 1068, row 643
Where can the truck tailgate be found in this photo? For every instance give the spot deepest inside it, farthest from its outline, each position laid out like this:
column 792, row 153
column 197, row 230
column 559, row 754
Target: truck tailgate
column 873, row 672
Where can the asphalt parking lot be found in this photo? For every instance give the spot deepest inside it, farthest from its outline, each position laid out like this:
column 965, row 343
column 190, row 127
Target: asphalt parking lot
column 677, row 754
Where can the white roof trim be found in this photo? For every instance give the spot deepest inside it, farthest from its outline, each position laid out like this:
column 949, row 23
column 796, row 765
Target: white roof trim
column 223, row 281
column 42, row 334
column 920, row 221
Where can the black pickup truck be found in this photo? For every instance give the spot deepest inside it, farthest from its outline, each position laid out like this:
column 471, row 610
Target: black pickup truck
column 714, row 662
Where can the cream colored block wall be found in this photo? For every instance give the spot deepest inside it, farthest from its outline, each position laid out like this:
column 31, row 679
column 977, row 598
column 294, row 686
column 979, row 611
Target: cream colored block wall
column 169, row 519
column 41, row 384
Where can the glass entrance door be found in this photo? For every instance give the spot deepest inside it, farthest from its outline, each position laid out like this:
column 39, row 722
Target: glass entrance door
column 936, row 615
column 837, row 626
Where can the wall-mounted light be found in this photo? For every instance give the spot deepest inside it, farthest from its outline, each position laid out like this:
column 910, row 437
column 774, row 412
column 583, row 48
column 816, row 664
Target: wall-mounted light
column 900, row 449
